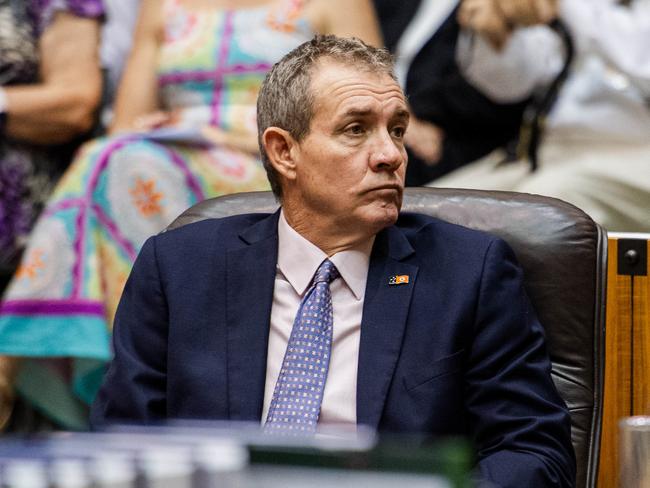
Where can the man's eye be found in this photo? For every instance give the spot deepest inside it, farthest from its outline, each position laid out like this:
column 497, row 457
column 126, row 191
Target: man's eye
column 354, row 130
column 398, row 132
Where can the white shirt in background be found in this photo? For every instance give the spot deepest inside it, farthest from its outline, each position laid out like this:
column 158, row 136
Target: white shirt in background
column 607, row 93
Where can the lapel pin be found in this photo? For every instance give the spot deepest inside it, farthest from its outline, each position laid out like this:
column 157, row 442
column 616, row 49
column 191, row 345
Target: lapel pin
column 398, row 280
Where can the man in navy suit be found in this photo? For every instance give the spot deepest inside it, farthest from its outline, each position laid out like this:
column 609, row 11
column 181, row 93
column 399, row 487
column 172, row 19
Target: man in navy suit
column 432, row 330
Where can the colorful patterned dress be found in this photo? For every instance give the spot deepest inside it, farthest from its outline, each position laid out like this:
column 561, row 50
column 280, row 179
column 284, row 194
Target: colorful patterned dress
column 121, row 190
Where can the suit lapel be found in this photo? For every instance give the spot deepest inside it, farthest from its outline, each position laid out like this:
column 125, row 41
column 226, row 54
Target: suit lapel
column 385, row 312
column 250, row 279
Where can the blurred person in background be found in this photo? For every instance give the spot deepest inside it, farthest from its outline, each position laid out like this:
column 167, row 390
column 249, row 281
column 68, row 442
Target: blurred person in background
column 116, row 40
column 595, row 147
column 452, row 123
column 184, row 129
column 50, row 88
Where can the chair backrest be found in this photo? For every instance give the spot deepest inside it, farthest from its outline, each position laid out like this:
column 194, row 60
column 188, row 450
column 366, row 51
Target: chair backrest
column 563, row 253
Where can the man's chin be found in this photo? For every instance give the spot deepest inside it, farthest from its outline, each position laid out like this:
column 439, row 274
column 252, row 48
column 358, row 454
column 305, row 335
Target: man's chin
column 384, row 216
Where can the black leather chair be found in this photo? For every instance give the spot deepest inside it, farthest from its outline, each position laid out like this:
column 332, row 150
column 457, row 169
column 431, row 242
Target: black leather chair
column 563, row 253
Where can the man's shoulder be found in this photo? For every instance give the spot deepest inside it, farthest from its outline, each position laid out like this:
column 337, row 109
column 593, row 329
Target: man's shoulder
column 224, row 231
column 235, row 222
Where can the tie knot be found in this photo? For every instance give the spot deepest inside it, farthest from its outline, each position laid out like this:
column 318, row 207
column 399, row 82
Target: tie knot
column 326, row 272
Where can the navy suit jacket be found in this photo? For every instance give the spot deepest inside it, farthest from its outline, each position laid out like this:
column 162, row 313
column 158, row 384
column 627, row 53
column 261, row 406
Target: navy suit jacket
column 457, row 350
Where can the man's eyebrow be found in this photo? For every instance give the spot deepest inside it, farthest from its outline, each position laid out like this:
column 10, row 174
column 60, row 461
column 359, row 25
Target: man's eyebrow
column 357, row 112
column 402, row 114
column 365, row 112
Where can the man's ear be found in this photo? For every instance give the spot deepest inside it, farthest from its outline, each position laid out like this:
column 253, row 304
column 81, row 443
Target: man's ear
column 280, row 148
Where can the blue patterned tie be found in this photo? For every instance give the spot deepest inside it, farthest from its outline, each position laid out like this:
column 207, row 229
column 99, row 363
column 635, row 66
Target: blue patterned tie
column 298, row 393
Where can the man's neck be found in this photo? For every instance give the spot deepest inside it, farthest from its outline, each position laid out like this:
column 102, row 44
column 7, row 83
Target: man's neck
column 327, row 236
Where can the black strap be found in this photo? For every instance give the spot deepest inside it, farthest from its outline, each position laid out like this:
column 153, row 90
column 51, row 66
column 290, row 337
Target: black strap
column 534, row 117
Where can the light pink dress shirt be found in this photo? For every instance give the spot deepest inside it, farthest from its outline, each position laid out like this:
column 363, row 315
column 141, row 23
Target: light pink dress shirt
column 298, row 260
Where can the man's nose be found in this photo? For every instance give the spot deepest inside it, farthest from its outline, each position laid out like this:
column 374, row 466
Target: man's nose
column 387, row 154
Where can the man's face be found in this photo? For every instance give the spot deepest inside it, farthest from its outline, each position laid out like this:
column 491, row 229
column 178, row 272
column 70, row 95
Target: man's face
column 351, row 164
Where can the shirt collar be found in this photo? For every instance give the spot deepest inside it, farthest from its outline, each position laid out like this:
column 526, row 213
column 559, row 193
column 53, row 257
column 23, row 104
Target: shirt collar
column 298, row 260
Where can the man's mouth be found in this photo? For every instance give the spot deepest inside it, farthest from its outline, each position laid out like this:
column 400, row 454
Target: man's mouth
column 393, row 187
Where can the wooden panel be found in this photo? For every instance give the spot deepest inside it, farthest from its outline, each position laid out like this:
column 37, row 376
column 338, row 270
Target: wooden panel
column 627, row 357
column 641, row 345
column 618, row 365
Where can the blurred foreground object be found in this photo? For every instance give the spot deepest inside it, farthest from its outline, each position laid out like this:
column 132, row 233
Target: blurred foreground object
column 232, row 455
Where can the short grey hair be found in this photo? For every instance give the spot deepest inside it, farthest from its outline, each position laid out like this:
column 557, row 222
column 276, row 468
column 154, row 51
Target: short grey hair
column 286, row 100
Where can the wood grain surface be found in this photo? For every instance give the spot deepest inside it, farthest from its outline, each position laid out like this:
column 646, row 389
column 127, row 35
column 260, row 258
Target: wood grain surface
column 641, row 346
column 627, row 360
